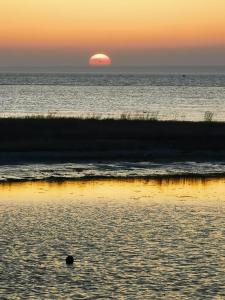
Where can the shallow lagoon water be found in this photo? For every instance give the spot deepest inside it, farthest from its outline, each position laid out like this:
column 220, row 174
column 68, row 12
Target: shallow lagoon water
column 131, row 239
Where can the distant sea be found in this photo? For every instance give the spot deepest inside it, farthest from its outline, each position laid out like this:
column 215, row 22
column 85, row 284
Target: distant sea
column 181, row 93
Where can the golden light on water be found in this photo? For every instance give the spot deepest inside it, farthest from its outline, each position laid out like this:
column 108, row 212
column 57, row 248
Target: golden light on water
column 128, row 235
column 136, row 191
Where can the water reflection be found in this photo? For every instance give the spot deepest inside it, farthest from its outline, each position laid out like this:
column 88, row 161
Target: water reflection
column 131, row 239
column 196, row 189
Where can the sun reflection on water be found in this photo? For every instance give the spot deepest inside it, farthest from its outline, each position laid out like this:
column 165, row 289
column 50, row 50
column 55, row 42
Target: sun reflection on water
column 137, row 239
column 173, row 190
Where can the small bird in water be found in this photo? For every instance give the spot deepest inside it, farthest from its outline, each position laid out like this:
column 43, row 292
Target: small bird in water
column 69, row 260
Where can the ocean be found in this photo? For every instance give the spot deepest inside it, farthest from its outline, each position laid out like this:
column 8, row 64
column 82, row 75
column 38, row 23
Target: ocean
column 160, row 93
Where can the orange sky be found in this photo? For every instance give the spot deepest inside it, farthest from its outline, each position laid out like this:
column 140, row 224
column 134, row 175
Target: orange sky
column 112, row 24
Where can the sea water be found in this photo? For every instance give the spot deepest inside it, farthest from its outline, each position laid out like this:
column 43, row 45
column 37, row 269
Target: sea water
column 31, row 172
column 162, row 93
column 131, row 239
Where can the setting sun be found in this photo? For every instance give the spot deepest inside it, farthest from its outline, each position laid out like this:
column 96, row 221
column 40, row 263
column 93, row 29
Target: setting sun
column 100, row 60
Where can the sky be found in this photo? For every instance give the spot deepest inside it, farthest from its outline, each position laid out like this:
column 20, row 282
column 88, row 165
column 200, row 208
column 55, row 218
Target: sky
column 132, row 32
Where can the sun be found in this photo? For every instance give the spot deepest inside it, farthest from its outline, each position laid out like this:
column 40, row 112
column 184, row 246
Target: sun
column 100, row 60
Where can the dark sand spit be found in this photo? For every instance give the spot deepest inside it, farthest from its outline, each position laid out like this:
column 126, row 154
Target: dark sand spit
column 70, row 139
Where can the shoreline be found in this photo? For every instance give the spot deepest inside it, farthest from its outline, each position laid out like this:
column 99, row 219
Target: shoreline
column 159, row 178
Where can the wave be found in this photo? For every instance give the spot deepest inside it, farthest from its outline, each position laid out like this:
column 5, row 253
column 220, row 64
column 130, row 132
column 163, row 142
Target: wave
column 110, row 170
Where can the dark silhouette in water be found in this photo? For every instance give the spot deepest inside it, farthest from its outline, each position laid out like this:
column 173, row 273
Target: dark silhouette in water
column 69, row 260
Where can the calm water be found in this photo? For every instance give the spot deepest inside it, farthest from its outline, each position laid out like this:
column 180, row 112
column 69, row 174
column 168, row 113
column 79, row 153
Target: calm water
column 130, row 240
column 164, row 93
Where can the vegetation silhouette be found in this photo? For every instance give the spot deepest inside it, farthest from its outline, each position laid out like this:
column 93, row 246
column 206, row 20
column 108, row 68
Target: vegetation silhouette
column 110, row 138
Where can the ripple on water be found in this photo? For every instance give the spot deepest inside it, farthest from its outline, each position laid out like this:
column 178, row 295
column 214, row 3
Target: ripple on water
column 110, row 169
column 124, row 248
